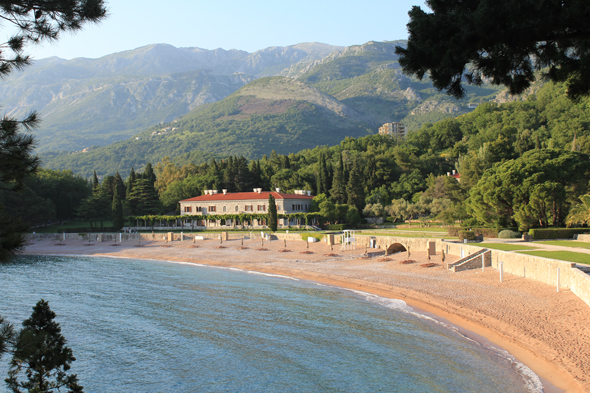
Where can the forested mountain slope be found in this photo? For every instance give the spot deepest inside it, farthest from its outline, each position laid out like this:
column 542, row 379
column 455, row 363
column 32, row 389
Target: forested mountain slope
column 369, row 79
column 273, row 113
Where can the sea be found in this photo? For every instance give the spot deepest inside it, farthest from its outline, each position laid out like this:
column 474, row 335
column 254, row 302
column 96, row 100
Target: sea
column 157, row 326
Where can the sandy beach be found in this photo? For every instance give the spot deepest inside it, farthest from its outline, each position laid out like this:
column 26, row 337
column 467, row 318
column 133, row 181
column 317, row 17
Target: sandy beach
column 547, row 331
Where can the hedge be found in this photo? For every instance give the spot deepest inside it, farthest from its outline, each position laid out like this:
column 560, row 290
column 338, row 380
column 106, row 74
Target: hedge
column 508, row 234
column 336, row 227
column 556, row 233
column 469, row 235
column 87, row 230
column 485, row 232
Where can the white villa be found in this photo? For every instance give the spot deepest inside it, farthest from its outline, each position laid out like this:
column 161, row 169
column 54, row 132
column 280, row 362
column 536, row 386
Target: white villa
column 233, row 203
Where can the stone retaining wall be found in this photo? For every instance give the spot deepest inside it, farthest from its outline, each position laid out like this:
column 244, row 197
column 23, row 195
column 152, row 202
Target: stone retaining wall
column 584, row 238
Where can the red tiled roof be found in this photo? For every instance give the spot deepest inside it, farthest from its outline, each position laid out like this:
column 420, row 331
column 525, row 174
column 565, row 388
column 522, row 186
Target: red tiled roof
column 240, row 196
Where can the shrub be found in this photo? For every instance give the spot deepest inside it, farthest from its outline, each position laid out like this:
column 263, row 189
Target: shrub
column 336, row 227
column 469, row 235
column 454, row 231
column 508, row 234
column 556, row 233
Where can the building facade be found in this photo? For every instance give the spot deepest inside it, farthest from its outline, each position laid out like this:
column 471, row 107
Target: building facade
column 213, row 203
column 397, row 130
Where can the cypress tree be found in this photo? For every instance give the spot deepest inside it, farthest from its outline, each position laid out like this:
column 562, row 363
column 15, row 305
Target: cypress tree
column 354, row 188
column 120, row 185
column 130, row 182
column 322, row 179
column 95, row 183
column 273, row 221
column 149, row 174
column 338, row 190
column 329, row 177
column 41, row 356
column 117, row 207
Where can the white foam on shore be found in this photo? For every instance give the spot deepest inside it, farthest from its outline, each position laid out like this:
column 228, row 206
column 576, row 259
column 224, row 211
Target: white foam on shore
column 270, row 275
column 531, row 380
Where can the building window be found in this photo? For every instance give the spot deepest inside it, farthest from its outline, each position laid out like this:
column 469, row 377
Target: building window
column 224, row 209
column 212, row 208
column 236, row 208
column 293, row 207
column 261, row 207
column 249, row 208
column 188, row 209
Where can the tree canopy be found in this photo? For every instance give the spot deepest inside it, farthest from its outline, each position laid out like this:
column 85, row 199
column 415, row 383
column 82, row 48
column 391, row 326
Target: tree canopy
column 33, row 22
column 41, row 358
column 502, row 41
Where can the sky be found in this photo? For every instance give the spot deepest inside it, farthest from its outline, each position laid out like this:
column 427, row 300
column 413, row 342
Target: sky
column 229, row 24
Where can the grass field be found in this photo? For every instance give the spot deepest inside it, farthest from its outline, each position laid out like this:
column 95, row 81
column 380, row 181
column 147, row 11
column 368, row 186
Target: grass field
column 416, row 229
column 57, row 228
column 568, row 256
column 566, row 243
column 432, row 235
column 505, row 246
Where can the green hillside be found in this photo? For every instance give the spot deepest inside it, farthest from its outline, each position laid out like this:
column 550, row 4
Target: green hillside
column 251, row 122
column 368, row 79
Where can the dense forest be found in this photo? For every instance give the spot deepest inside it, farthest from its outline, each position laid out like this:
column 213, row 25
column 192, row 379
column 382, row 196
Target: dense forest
column 522, row 164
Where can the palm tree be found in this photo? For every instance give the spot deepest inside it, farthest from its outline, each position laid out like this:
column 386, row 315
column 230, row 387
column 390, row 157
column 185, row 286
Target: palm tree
column 580, row 213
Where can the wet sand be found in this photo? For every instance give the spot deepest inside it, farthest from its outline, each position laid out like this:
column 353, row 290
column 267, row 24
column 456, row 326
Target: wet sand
column 547, row 331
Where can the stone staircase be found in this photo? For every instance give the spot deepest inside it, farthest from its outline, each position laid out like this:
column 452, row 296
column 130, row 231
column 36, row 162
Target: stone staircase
column 472, row 261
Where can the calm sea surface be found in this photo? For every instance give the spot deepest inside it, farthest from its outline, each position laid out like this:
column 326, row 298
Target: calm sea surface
column 151, row 326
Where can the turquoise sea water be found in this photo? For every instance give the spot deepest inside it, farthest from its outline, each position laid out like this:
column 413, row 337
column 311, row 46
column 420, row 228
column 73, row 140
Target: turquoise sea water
column 152, row 326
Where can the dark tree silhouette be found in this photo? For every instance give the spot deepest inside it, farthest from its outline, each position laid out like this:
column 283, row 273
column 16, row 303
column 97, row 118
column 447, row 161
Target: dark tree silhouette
column 504, row 41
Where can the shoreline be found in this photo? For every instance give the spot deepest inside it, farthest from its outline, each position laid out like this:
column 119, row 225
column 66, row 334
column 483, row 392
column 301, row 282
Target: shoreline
column 469, row 317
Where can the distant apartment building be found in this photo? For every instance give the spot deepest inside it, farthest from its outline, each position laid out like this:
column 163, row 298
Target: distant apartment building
column 397, row 130
column 233, row 203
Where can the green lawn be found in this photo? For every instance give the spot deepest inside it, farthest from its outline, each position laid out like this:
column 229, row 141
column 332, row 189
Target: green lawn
column 566, row 243
column 568, row 256
column 57, row 228
column 417, row 229
column 406, row 234
column 505, row 246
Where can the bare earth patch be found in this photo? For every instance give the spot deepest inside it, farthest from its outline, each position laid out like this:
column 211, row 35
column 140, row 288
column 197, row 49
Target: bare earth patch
column 431, row 264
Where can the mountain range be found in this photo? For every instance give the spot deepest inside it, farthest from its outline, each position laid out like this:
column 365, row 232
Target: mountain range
column 216, row 102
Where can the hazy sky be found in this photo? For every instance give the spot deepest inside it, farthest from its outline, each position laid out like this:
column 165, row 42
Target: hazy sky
column 229, row 24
